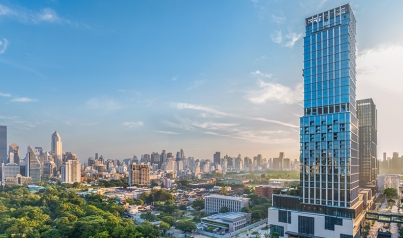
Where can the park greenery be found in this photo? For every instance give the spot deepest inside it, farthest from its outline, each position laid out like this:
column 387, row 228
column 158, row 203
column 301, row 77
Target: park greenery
column 59, row 213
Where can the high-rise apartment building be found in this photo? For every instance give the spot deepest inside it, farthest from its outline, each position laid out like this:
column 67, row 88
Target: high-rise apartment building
column 3, row 144
column 57, row 149
column 329, row 205
column 217, row 158
column 367, row 121
column 139, row 174
column 33, row 166
column 71, row 171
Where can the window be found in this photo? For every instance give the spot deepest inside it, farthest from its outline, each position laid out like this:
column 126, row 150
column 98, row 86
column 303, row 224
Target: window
column 331, row 221
column 278, row 229
column 282, row 216
column 345, row 236
column 306, row 225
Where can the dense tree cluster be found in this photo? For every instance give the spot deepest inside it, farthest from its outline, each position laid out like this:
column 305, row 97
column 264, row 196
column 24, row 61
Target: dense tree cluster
column 259, row 207
column 157, row 195
column 61, row 213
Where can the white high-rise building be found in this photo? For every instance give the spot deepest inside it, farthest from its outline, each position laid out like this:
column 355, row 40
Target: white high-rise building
column 57, row 149
column 71, row 171
column 214, row 203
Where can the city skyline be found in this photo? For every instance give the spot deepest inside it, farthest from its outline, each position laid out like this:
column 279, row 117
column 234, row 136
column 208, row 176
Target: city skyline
column 182, row 80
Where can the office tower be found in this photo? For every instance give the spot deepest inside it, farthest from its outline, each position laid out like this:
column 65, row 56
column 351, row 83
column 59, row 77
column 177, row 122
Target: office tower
column 139, row 174
column 329, row 205
column 71, row 171
column 9, row 170
column 286, row 164
column 178, row 155
column 33, row 166
column 182, row 154
column 91, row 161
column 3, row 144
column 14, row 154
column 367, row 122
column 155, row 158
column 49, row 168
column 96, row 156
column 217, row 158
column 163, row 157
column 56, row 149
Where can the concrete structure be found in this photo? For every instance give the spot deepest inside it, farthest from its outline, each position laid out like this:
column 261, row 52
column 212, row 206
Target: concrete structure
column 227, row 222
column 57, row 149
column 217, row 158
column 139, row 174
column 3, row 144
column 329, row 205
column 71, row 171
column 213, row 203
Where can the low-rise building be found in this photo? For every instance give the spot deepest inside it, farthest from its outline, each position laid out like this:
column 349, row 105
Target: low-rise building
column 266, row 190
column 213, row 203
column 228, row 222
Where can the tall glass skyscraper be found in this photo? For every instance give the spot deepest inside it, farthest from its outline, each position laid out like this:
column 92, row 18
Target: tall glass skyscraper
column 328, row 129
column 329, row 204
column 3, row 144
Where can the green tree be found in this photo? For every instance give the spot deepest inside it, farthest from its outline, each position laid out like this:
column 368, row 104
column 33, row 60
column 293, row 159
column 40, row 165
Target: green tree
column 198, row 205
column 245, row 209
column 164, row 227
column 168, row 219
column 182, row 207
column 224, row 210
column 223, row 191
column 390, row 192
column 275, row 234
column 185, row 225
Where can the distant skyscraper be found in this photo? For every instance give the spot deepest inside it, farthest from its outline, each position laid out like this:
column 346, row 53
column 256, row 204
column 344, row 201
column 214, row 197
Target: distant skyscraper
column 139, row 174
column 329, row 205
column 71, row 171
column 14, row 153
column 33, row 166
column 182, row 154
column 96, row 156
column 367, row 121
column 163, row 157
column 3, row 144
column 57, row 149
column 217, row 158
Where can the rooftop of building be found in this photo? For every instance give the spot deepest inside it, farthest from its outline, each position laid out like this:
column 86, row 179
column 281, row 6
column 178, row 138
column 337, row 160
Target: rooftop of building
column 228, row 197
column 225, row 217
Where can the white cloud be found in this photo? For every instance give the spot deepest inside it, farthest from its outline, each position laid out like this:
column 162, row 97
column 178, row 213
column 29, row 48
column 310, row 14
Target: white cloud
column 257, row 73
column 167, row 132
column 174, row 78
column 288, row 40
column 48, row 15
column 275, row 92
column 23, row 99
column 3, row 45
column 321, row 3
column 196, row 84
column 292, row 39
column 263, row 57
column 196, row 107
column 29, row 16
column 132, row 124
column 185, row 124
column 103, row 103
column 5, row 95
column 278, row 19
column 277, row 37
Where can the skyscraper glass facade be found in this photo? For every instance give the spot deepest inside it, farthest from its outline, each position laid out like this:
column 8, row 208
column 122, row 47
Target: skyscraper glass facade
column 367, row 121
column 328, row 129
column 3, row 144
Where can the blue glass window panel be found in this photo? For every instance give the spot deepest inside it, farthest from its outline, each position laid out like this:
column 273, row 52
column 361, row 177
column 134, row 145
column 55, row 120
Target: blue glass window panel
column 307, row 57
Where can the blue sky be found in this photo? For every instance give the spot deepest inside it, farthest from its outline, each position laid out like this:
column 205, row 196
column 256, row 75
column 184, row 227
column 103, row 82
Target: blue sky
column 133, row 77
